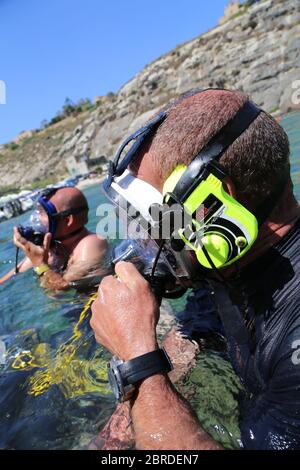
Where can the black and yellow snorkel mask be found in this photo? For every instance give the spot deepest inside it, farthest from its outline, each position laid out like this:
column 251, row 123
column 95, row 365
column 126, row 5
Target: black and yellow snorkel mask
column 219, row 230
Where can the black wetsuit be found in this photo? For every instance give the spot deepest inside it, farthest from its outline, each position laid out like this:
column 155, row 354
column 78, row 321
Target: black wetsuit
column 261, row 323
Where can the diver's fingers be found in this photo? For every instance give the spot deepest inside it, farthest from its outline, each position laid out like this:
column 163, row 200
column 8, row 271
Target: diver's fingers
column 47, row 241
column 128, row 274
column 19, row 241
column 107, row 283
column 110, row 285
column 96, row 321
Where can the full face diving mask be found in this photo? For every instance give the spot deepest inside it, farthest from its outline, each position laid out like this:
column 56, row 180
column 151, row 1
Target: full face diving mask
column 220, row 230
column 36, row 227
column 133, row 198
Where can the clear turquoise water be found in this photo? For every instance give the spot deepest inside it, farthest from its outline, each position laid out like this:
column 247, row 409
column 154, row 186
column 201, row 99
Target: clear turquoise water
column 71, row 410
column 291, row 124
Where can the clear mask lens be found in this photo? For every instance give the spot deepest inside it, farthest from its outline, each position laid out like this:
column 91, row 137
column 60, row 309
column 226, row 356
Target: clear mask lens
column 133, row 199
column 142, row 253
column 140, row 248
column 38, row 220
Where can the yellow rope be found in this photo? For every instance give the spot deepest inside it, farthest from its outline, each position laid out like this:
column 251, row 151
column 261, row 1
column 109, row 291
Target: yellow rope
column 74, row 376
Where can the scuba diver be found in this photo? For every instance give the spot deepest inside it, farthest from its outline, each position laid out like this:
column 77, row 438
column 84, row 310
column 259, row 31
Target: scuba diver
column 48, row 369
column 216, row 157
column 56, row 243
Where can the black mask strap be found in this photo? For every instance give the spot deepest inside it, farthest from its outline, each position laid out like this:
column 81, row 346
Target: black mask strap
column 62, row 214
column 215, row 148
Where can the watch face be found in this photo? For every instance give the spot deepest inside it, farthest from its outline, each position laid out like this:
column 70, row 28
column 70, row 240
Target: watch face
column 121, row 391
column 113, row 383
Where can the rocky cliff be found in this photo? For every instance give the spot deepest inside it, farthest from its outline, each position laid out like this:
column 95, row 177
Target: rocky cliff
column 257, row 50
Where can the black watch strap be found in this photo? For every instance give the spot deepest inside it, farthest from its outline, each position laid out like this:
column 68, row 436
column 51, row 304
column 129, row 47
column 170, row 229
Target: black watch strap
column 144, row 366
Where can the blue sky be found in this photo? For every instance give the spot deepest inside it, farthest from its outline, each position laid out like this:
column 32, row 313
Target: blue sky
column 53, row 49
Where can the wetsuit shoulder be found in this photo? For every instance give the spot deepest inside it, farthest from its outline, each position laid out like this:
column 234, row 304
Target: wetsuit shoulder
column 271, row 419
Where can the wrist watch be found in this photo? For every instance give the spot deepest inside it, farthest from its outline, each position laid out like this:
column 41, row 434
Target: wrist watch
column 42, row 269
column 123, row 376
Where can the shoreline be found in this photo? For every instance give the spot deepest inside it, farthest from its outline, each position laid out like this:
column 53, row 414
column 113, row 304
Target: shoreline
column 90, row 182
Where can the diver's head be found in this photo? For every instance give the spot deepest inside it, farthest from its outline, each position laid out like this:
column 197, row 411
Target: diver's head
column 62, row 211
column 214, row 150
column 254, row 162
column 72, row 211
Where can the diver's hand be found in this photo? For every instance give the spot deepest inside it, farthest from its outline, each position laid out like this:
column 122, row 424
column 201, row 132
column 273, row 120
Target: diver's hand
column 37, row 254
column 125, row 313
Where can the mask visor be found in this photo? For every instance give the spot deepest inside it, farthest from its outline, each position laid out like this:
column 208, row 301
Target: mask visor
column 133, row 199
column 38, row 220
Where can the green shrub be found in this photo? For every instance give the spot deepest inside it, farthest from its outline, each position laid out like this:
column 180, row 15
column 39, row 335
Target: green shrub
column 11, row 146
column 41, row 183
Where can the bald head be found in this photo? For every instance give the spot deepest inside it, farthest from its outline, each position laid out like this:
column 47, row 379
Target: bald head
column 68, row 198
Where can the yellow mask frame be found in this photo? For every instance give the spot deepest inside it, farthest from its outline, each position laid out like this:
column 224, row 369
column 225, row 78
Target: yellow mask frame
column 221, row 230
column 227, row 229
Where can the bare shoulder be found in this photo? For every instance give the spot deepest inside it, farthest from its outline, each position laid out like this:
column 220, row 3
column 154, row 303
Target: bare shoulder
column 93, row 240
column 89, row 247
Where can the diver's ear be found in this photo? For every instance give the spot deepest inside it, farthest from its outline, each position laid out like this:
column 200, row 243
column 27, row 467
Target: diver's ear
column 229, row 187
column 70, row 220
